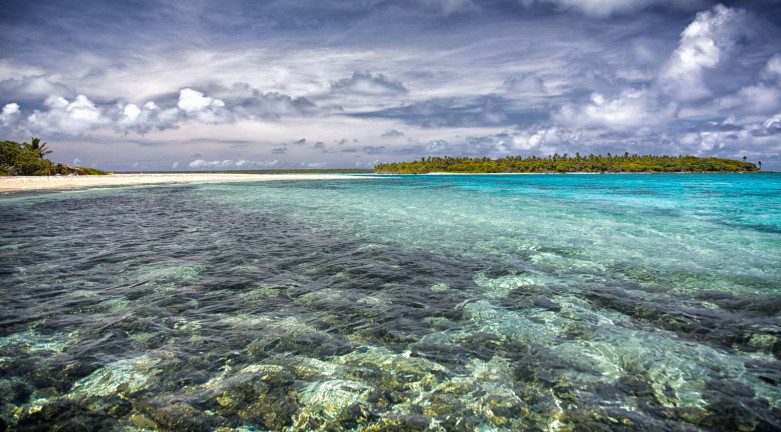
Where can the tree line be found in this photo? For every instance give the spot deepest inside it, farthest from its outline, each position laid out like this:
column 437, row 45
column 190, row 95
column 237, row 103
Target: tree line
column 557, row 163
column 30, row 159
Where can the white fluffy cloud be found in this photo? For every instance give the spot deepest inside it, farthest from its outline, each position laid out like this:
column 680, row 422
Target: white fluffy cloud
column 129, row 117
column 203, row 108
column 545, row 139
column 10, row 114
column 757, row 140
column 632, row 109
column 773, row 68
column 695, row 83
column 704, row 44
column 773, row 124
column 64, row 117
column 60, row 116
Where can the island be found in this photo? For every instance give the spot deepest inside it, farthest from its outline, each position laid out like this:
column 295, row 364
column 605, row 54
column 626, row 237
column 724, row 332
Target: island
column 556, row 163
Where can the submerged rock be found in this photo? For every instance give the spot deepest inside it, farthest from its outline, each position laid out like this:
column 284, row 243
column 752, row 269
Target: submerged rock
column 264, row 398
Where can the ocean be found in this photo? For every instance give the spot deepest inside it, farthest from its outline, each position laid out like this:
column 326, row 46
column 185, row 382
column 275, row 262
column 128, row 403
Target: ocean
column 389, row 303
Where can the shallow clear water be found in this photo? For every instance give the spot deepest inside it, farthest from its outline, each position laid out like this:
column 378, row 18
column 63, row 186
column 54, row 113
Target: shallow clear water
column 537, row 302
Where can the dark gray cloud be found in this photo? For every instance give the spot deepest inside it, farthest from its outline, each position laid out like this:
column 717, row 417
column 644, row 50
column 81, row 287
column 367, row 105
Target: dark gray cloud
column 392, row 133
column 274, row 105
column 31, row 91
column 369, row 85
column 452, row 112
column 372, row 150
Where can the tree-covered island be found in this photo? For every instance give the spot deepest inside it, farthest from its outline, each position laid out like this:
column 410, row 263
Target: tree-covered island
column 28, row 159
column 556, row 163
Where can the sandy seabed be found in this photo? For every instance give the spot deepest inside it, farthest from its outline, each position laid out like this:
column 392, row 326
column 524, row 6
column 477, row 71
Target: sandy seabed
column 37, row 183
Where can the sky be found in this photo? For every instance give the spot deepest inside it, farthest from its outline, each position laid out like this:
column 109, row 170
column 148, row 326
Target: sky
column 141, row 85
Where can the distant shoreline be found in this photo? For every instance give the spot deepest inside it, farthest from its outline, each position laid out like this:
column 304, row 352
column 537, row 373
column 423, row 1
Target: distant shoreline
column 16, row 184
column 578, row 173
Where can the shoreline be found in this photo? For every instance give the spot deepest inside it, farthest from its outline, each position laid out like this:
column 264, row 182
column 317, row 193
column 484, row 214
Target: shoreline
column 17, row 184
column 578, row 173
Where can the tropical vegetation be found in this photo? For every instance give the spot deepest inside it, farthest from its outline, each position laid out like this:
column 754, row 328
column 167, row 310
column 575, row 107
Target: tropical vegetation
column 556, row 163
column 29, row 159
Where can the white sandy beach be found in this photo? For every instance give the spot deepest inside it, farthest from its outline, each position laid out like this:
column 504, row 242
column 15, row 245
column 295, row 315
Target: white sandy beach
column 36, row 183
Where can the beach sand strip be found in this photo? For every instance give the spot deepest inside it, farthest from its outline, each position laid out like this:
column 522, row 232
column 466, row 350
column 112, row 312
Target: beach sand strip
column 40, row 183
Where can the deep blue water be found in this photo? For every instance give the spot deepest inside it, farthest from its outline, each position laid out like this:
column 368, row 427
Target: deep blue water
column 517, row 302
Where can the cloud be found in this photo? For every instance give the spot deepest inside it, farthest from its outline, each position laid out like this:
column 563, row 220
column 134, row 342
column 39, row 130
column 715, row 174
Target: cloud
column 33, row 89
column 279, row 150
column 59, row 116
column 127, row 117
column 203, row 108
column 760, row 98
column 545, row 139
column 319, row 145
column 534, row 140
column 526, row 84
column 393, row 133
column 229, row 163
column 373, row 149
column 483, row 110
column 757, row 139
column 369, row 85
column 302, row 141
column 771, row 126
column 704, row 44
column 193, row 101
column 773, row 68
column 449, row 7
column 606, row 8
column 10, row 114
column 629, row 110
column 273, row 106
column 63, row 117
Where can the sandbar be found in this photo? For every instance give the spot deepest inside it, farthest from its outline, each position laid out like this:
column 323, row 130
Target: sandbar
column 41, row 183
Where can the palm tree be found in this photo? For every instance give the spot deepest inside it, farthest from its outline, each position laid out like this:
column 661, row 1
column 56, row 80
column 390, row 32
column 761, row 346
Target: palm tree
column 40, row 150
column 760, row 165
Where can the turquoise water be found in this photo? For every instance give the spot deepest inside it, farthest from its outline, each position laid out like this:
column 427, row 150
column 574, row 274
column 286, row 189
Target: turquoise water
column 476, row 303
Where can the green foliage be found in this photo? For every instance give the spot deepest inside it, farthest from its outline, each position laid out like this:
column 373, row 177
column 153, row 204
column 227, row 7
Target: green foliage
column 92, row 171
column 37, row 148
column 563, row 164
column 22, row 159
column 28, row 159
